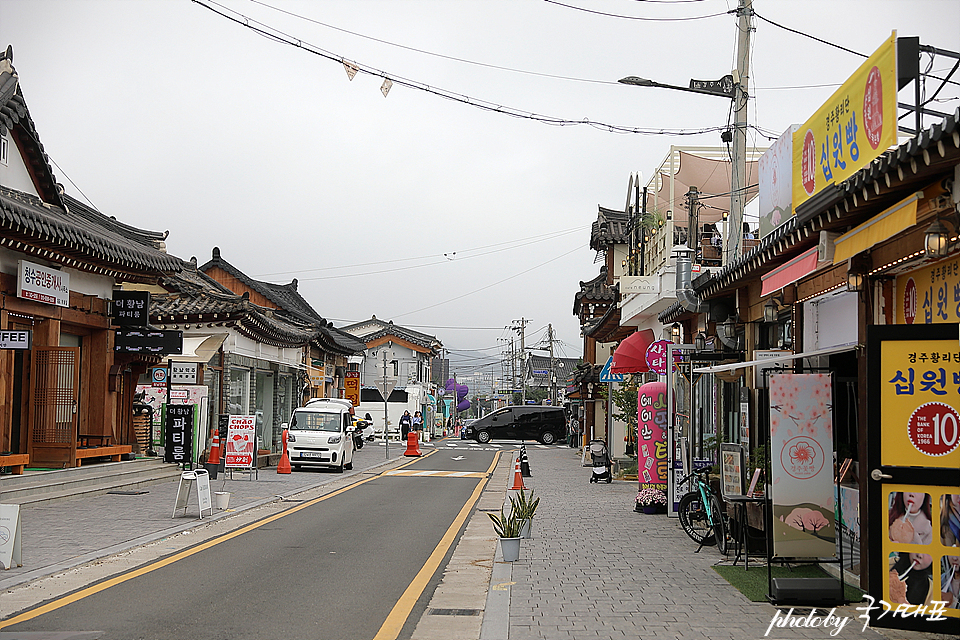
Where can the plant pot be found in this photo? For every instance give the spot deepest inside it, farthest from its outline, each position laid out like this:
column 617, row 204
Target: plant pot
column 527, row 528
column 510, row 549
column 222, row 498
column 650, row 509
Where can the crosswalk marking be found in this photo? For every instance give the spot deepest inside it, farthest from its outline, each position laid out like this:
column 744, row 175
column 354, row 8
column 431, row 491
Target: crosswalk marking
column 413, row 473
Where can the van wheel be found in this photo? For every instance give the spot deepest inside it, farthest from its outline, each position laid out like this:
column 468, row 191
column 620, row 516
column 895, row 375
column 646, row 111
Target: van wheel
column 483, row 437
column 548, row 437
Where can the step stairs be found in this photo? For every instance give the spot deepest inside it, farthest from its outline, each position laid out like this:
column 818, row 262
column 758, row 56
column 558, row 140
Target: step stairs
column 91, row 479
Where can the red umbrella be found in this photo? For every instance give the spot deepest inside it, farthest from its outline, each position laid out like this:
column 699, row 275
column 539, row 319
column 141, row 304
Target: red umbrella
column 631, row 355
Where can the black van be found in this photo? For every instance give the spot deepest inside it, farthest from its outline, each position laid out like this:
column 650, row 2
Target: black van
column 534, row 422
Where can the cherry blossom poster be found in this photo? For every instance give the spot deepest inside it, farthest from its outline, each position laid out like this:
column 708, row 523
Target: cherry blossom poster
column 801, row 465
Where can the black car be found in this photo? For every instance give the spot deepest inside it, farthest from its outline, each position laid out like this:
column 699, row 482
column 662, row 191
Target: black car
column 534, row 422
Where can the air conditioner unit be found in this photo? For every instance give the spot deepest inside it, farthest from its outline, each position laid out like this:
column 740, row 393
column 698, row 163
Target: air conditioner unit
column 826, row 246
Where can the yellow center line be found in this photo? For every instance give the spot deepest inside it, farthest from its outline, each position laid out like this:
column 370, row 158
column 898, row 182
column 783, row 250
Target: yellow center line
column 401, row 611
column 186, row 553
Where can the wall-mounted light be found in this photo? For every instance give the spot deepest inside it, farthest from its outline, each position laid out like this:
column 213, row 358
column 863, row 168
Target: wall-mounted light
column 936, row 240
column 675, row 332
column 771, row 310
column 700, row 342
column 857, row 269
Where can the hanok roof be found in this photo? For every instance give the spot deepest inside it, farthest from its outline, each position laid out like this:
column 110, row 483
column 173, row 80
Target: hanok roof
column 610, row 227
column 285, row 296
column 375, row 329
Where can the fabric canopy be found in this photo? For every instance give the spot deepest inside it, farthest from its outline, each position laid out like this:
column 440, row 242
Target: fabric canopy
column 711, row 177
column 789, row 273
column 877, row 229
column 631, row 355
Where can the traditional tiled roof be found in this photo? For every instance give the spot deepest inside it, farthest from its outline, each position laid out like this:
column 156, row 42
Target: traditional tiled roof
column 596, row 291
column 284, row 296
column 81, row 238
column 610, row 227
column 538, row 369
column 374, row 329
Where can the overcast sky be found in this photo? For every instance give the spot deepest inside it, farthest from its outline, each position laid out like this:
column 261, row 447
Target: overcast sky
column 439, row 215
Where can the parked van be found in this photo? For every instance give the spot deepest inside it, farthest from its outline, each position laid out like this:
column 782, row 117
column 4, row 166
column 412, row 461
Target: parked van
column 320, row 434
column 533, row 422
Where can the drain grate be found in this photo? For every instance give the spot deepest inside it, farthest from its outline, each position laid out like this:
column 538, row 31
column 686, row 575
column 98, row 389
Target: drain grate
column 454, row 612
column 127, row 493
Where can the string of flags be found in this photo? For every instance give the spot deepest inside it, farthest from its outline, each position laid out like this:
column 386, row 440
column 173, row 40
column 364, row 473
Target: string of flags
column 352, row 70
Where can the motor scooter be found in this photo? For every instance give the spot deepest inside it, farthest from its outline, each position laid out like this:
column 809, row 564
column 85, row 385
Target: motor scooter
column 358, row 433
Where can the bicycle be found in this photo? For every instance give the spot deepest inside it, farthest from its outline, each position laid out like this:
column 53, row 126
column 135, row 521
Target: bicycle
column 700, row 513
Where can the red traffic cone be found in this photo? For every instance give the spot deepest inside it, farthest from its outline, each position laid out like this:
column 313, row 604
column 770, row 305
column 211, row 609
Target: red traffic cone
column 413, row 444
column 517, row 477
column 215, row 449
column 284, row 465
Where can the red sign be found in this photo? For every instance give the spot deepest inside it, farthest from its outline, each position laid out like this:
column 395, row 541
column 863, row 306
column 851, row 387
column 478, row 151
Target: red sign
column 241, row 440
column 657, row 357
column 351, row 387
column 934, row 428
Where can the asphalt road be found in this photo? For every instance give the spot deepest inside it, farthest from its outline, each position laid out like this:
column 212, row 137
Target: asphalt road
column 357, row 563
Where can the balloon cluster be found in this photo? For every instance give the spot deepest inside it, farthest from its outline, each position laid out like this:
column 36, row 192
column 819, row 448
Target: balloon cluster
column 462, row 403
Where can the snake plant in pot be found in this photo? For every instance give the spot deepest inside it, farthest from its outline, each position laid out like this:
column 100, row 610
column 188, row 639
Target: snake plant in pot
column 524, row 506
column 507, row 526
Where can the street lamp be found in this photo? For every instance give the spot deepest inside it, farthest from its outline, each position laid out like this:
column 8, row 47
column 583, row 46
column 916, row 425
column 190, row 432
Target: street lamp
column 724, row 87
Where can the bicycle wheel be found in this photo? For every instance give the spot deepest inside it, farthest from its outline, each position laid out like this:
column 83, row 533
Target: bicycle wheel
column 719, row 528
column 693, row 519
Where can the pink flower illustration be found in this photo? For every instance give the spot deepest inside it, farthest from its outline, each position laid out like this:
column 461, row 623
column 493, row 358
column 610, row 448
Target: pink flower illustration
column 802, row 453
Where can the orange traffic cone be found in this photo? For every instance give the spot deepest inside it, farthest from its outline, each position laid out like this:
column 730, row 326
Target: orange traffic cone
column 413, row 444
column 517, row 477
column 215, row 449
column 284, row 465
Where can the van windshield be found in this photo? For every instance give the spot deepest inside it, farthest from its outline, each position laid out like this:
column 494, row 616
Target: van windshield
column 315, row 421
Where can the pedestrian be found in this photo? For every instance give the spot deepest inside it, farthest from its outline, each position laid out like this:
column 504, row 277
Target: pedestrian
column 574, row 432
column 406, row 422
column 417, row 421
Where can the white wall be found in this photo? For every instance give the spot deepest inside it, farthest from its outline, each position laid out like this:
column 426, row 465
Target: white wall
column 830, row 321
column 14, row 174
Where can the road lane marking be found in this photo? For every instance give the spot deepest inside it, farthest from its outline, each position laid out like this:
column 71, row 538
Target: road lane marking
column 413, row 473
column 186, row 553
column 398, row 616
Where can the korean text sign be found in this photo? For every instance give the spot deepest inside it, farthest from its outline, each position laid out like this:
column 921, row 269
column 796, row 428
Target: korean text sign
column 351, row 387
column 652, row 435
column 919, row 421
column 930, row 295
column 854, row 126
column 241, row 441
column 178, row 434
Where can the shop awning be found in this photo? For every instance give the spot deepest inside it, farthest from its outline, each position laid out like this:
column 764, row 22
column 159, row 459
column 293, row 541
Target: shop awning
column 631, row 355
column 199, row 348
column 779, row 359
column 877, row 229
column 790, row 272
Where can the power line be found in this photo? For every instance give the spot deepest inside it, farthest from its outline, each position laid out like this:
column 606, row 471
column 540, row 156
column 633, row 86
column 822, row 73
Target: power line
column 284, row 38
column 615, row 15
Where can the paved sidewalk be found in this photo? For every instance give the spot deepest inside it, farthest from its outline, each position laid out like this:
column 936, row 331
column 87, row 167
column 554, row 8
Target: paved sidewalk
column 597, row 569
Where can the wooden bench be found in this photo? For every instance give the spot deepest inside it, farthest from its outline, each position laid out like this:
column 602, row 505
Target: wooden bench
column 113, row 452
column 16, row 461
column 83, row 441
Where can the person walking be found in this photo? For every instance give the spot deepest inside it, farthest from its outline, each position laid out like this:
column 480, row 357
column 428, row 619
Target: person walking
column 406, row 422
column 574, row 432
column 417, row 421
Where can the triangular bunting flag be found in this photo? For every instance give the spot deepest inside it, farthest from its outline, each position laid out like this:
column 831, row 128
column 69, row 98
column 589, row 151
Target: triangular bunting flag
column 385, row 87
column 351, row 69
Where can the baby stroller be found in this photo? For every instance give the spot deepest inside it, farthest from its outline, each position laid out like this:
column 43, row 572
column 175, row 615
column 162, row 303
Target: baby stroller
column 601, row 462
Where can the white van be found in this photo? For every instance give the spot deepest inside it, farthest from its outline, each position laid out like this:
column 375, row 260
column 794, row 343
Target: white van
column 320, row 434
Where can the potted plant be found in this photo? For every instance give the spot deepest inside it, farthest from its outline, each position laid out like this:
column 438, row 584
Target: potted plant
column 507, row 527
column 523, row 506
column 651, row 500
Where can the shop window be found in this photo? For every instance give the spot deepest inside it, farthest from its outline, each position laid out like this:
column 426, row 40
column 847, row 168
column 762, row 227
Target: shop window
column 238, row 392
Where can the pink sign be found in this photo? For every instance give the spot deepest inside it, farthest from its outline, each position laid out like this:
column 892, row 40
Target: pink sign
column 652, row 435
column 241, row 439
column 656, row 357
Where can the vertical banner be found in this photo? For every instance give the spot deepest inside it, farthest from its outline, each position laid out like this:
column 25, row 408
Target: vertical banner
column 801, row 461
column 178, row 434
column 652, row 435
column 241, row 441
column 351, row 387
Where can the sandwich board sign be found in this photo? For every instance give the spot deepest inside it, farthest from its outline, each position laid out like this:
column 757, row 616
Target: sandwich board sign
column 10, row 539
column 188, row 479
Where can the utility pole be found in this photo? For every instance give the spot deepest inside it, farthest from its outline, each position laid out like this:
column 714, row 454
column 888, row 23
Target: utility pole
column 386, row 434
column 738, row 172
column 693, row 207
column 553, row 373
column 521, row 329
